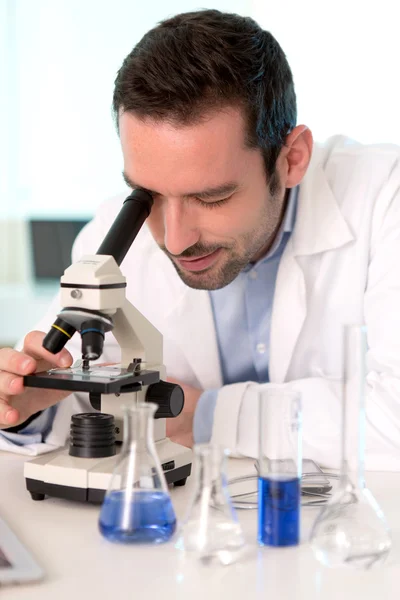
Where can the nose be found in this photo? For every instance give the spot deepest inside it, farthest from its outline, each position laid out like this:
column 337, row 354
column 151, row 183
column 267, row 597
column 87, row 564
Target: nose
column 180, row 227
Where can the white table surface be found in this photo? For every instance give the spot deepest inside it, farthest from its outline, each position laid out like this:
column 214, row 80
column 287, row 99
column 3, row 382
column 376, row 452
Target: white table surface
column 80, row 564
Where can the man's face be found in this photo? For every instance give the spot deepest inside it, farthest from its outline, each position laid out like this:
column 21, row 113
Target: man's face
column 213, row 211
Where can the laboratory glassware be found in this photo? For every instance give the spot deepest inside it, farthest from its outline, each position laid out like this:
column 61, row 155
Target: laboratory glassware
column 316, row 487
column 137, row 507
column 210, row 530
column 279, row 466
column 351, row 529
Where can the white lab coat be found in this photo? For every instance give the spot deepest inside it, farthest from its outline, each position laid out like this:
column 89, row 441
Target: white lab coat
column 341, row 265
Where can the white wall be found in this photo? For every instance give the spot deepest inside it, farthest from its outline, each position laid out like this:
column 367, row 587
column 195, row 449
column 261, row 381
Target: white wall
column 345, row 59
column 62, row 154
column 64, row 146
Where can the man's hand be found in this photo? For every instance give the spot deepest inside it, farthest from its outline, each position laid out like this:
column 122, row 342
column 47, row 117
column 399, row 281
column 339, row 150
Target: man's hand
column 17, row 403
column 180, row 429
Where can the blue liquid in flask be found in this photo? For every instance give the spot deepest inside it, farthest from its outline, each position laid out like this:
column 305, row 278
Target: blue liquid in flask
column 278, row 511
column 148, row 517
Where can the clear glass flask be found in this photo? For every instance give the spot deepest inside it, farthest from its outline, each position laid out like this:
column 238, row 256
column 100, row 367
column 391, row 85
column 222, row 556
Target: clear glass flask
column 279, row 466
column 351, row 529
column 137, row 507
column 210, row 530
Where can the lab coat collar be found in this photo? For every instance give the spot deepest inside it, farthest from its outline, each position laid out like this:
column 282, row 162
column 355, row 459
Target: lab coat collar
column 319, row 226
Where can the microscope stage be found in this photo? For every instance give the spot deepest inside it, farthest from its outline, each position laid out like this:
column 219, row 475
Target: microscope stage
column 98, row 380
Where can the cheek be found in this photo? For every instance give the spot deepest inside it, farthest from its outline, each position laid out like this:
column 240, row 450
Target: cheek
column 155, row 223
column 222, row 223
column 238, row 220
column 228, row 222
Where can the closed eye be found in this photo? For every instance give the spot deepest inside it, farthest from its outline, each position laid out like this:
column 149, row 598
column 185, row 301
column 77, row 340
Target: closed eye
column 214, row 204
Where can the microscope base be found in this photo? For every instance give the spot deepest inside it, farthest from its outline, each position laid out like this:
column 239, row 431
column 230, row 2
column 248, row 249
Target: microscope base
column 60, row 475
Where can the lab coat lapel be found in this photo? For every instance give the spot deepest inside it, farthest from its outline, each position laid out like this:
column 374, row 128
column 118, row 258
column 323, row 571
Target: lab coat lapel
column 191, row 325
column 288, row 314
column 319, row 227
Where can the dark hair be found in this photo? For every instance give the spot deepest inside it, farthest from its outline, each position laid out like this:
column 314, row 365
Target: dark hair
column 199, row 61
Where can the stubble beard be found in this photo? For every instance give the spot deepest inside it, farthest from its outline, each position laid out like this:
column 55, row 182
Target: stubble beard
column 233, row 261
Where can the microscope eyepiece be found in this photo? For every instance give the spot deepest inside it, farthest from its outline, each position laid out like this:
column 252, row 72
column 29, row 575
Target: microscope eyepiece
column 58, row 336
column 92, row 334
column 123, row 231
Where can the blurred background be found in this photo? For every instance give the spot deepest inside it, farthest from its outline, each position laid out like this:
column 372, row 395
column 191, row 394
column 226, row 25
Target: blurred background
column 59, row 151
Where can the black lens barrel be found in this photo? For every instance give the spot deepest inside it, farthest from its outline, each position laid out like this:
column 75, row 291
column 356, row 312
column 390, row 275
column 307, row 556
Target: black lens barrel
column 92, row 435
column 135, row 210
column 58, row 336
column 92, row 337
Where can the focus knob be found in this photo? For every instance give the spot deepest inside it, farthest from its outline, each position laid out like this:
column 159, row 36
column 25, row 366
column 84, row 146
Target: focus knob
column 168, row 396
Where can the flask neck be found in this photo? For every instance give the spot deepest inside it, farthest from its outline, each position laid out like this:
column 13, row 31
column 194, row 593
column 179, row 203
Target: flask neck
column 138, row 426
column 353, row 414
column 210, row 467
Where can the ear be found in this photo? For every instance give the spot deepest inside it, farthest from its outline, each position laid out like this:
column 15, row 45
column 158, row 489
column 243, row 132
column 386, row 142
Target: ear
column 296, row 155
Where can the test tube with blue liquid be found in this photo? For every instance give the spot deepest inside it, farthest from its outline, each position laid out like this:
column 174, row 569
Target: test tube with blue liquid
column 279, row 466
column 137, row 507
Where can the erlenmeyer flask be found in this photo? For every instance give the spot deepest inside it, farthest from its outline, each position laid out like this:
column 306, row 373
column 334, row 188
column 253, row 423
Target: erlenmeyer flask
column 351, row 529
column 137, row 507
column 211, row 529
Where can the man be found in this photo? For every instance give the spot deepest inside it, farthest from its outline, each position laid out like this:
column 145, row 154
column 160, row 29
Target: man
column 257, row 250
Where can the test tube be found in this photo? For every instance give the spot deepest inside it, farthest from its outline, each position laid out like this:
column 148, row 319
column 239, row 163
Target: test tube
column 280, row 466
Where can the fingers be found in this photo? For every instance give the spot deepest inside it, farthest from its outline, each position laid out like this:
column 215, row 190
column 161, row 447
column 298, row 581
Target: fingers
column 9, row 416
column 10, row 384
column 15, row 401
column 33, row 347
column 16, row 362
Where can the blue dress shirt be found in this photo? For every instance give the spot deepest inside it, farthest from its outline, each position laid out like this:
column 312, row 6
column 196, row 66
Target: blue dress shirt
column 242, row 317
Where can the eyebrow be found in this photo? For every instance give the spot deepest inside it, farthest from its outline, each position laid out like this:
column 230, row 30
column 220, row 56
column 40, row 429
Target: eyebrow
column 207, row 194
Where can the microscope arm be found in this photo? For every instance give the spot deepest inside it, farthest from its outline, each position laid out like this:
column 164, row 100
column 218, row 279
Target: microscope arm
column 137, row 337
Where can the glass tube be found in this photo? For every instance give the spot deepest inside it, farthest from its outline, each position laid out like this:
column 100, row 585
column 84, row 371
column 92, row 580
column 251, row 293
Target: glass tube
column 280, row 465
column 351, row 529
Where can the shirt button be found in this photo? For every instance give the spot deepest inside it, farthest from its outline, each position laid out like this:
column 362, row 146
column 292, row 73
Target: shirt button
column 261, row 348
column 253, row 274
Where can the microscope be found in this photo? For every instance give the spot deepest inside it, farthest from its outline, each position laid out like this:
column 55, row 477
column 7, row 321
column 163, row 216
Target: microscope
column 93, row 303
